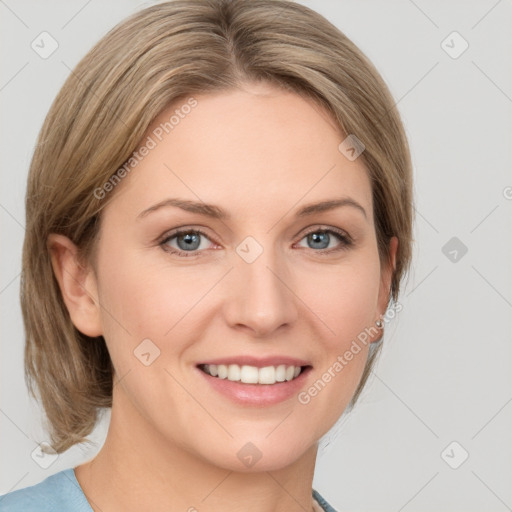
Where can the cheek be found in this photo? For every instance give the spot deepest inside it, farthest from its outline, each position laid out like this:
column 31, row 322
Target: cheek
column 142, row 301
column 133, row 299
column 345, row 298
column 143, row 296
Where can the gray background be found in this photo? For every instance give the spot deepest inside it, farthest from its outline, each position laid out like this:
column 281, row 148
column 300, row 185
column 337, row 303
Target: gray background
column 445, row 373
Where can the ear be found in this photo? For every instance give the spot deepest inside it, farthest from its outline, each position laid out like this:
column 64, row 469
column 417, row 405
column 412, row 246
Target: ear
column 385, row 289
column 77, row 285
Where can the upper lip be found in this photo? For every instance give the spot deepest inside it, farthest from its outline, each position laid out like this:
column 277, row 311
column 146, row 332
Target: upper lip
column 259, row 362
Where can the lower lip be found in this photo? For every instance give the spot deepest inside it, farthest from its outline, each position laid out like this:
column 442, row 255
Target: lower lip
column 257, row 394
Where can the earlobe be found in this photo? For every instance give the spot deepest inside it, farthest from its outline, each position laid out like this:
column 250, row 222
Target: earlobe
column 77, row 285
column 393, row 247
column 387, row 276
column 385, row 289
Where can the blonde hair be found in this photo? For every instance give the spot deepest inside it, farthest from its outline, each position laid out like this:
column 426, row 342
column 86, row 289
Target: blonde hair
column 150, row 60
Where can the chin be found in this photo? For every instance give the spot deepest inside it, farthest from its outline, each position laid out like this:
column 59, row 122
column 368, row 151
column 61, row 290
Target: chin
column 253, row 455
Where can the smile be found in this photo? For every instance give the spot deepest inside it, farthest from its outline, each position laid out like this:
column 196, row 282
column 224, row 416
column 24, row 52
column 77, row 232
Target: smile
column 247, row 374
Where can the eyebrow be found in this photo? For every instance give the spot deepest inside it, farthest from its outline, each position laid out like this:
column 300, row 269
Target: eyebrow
column 215, row 212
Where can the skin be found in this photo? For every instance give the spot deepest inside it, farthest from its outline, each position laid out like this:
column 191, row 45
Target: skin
column 259, row 153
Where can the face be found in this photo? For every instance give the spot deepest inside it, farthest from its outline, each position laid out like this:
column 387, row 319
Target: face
column 257, row 279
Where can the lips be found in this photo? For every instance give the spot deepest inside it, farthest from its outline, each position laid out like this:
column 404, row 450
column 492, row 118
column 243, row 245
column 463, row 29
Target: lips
column 255, row 394
column 252, row 372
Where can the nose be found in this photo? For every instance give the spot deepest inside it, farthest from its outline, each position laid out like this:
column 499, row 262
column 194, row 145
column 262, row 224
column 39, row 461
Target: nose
column 260, row 298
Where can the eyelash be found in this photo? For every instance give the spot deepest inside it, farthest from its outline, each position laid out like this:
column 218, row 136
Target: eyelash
column 346, row 241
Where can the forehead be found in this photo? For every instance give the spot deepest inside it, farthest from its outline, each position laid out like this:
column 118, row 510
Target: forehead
column 254, row 149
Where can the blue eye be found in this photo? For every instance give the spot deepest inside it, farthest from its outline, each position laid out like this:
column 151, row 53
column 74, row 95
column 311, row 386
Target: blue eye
column 321, row 239
column 189, row 241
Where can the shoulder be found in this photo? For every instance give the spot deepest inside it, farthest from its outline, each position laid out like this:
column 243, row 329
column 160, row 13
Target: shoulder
column 56, row 493
column 322, row 502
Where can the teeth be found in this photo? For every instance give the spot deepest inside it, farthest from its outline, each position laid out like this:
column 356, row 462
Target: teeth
column 252, row 374
column 222, row 370
column 233, row 372
column 267, row 375
column 249, row 374
column 281, row 373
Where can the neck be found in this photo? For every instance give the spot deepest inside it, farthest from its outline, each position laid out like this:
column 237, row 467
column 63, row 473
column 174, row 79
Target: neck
column 136, row 467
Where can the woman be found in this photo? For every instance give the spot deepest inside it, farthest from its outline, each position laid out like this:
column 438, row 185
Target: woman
column 219, row 214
